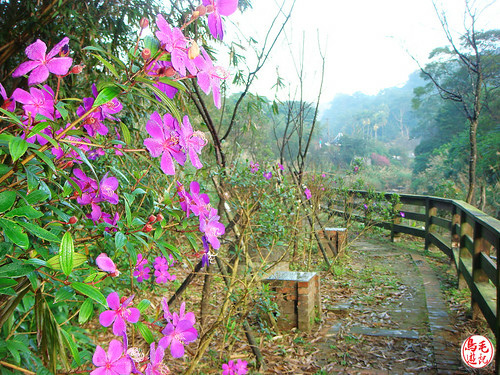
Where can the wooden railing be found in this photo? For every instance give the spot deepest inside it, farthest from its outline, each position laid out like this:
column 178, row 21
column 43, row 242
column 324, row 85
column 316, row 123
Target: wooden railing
column 469, row 237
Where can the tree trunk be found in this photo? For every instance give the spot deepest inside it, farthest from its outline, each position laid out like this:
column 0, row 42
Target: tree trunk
column 472, row 161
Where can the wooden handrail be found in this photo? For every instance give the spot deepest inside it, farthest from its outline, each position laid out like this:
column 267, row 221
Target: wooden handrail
column 467, row 235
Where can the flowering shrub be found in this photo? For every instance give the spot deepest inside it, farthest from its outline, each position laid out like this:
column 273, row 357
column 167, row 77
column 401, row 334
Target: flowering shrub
column 81, row 212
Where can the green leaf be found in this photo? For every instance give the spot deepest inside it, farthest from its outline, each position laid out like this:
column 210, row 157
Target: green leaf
column 25, row 211
column 85, row 311
column 108, row 93
column 13, row 118
column 152, row 44
column 45, row 159
column 90, row 291
column 125, row 133
column 64, row 293
column 61, row 107
column 96, row 276
column 70, row 341
column 66, row 253
column 40, row 232
column 143, row 305
column 120, row 240
column 15, row 269
column 36, row 196
column 55, row 263
column 128, row 214
column 7, row 199
column 5, row 282
column 38, row 128
column 17, row 148
column 15, row 233
column 145, row 332
column 108, row 65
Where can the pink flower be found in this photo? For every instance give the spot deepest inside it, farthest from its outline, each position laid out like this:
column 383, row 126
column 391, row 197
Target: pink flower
column 179, row 331
column 9, row 104
column 281, row 167
column 254, row 167
column 107, row 188
column 164, row 141
column 36, row 101
column 155, row 365
column 106, row 264
column 114, row 362
column 220, row 8
column 209, row 76
column 307, row 192
column 232, row 368
column 267, row 175
column 161, row 266
column 210, row 225
column 42, row 64
column 192, row 142
column 109, row 108
column 402, row 214
column 119, row 313
column 173, row 41
column 93, row 122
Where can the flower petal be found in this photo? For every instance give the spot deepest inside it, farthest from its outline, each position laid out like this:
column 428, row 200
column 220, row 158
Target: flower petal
column 107, row 317
column 36, row 51
column 134, row 315
column 38, row 75
column 119, row 327
column 115, row 350
column 227, row 7
column 59, row 65
column 123, row 366
column 167, row 164
column 177, row 349
column 57, row 48
column 105, row 263
column 25, row 68
column 22, row 96
column 99, row 358
column 154, row 126
column 154, row 146
column 113, row 301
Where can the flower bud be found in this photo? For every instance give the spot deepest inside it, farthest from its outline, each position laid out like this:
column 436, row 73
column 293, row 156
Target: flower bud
column 202, row 10
column 146, row 54
column 147, row 228
column 72, row 220
column 151, row 218
column 144, row 22
column 210, row 8
column 169, row 72
column 77, row 69
column 159, row 217
column 195, row 15
column 194, row 50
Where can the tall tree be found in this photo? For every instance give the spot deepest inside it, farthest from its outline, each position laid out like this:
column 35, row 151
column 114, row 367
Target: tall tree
column 472, row 60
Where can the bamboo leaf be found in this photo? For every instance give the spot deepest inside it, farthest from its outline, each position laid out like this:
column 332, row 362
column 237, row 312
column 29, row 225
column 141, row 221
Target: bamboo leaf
column 108, row 65
column 70, row 341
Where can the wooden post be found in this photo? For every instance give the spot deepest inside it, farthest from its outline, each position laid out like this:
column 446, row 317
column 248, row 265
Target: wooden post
column 430, row 211
column 465, row 230
column 478, row 275
column 396, row 236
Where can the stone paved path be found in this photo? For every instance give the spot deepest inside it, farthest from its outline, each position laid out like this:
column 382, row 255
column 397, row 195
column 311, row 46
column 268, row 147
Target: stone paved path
column 389, row 316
